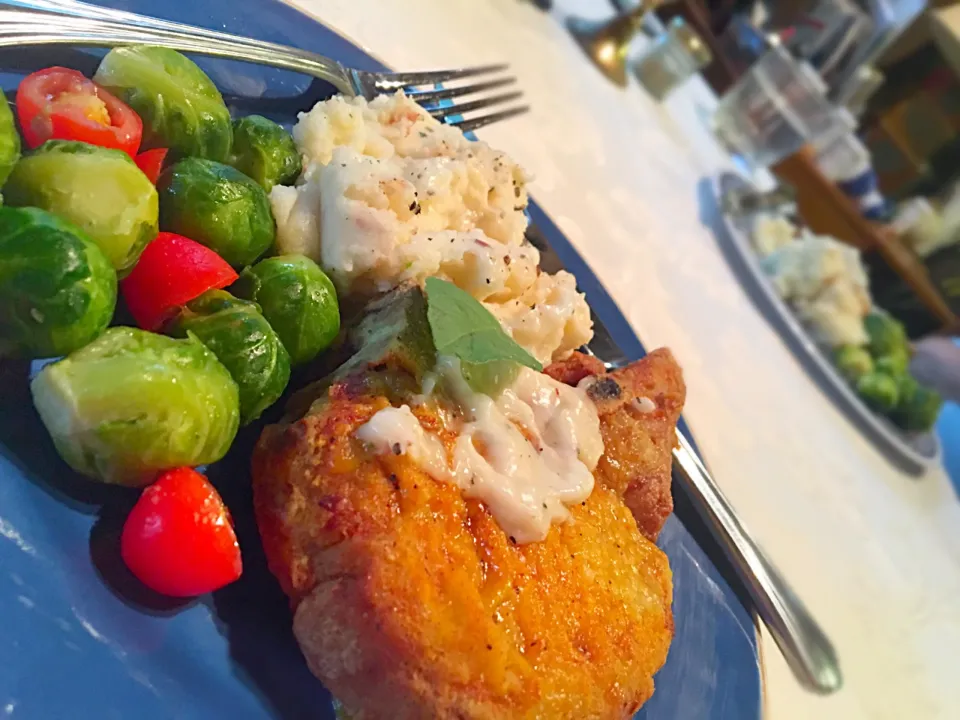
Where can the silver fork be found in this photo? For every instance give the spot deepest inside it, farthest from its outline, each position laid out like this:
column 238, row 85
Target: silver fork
column 69, row 22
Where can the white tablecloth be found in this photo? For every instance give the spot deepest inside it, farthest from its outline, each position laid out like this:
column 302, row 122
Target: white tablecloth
column 874, row 553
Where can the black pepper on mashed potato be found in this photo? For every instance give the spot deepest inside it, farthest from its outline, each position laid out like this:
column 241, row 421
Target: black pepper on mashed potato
column 390, row 194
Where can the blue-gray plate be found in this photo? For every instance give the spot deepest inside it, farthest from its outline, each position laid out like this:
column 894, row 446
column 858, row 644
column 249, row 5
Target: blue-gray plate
column 80, row 638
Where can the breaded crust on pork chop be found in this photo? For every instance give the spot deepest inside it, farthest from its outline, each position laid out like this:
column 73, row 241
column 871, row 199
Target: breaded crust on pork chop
column 411, row 602
column 639, row 406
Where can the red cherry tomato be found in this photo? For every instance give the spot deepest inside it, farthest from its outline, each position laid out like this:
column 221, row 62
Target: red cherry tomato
column 179, row 539
column 151, row 162
column 61, row 104
column 171, row 271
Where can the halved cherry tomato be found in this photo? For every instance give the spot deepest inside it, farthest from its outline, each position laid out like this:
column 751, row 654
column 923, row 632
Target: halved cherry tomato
column 151, row 162
column 179, row 538
column 61, row 104
column 171, row 271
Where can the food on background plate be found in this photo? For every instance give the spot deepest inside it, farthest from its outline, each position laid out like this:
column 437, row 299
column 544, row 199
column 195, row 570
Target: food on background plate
column 298, row 300
column 244, row 342
column 853, row 361
column 132, row 404
column 57, row 289
column 100, row 190
column 264, row 151
column 885, row 336
column 424, row 582
column 179, row 105
column 880, row 390
column 178, row 539
column 917, row 406
column 61, row 104
column 390, row 194
column 914, row 407
column 771, row 232
column 217, row 206
column 825, row 283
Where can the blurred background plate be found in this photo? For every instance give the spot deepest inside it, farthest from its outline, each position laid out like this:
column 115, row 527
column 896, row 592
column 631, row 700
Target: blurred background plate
column 82, row 639
column 913, row 452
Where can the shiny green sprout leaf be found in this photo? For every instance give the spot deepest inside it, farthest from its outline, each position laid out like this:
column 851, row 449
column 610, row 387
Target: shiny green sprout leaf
column 57, row 289
column 217, row 206
column 100, row 190
column 9, row 142
column 264, row 151
column 244, row 343
column 180, row 106
column 131, row 404
column 298, row 300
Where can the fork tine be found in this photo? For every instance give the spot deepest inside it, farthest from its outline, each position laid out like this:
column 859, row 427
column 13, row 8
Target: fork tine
column 429, row 96
column 479, row 122
column 394, row 81
column 461, row 108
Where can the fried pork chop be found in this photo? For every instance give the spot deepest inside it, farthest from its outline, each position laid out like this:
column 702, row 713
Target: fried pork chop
column 638, row 440
column 411, row 602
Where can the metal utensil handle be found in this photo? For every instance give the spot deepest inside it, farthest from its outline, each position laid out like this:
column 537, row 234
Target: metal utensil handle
column 804, row 645
column 75, row 8
column 87, row 22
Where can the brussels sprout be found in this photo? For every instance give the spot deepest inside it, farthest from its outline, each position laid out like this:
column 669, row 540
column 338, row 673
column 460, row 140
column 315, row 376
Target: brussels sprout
column 264, row 151
column 879, row 390
column 907, row 386
column 887, row 335
column 9, row 142
column 298, row 300
column 132, row 403
column 217, row 206
column 100, row 190
column 852, row 361
column 895, row 364
column 244, row 342
column 57, row 289
column 918, row 412
column 180, row 106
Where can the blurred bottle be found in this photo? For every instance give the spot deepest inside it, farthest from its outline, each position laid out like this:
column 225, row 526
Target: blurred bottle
column 844, row 159
column 675, row 56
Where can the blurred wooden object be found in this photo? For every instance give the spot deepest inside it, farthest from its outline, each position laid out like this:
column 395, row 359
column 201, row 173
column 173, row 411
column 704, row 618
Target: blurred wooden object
column 827, row 210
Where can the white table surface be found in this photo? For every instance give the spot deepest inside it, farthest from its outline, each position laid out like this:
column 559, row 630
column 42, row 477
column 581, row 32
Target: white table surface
column 873, row 552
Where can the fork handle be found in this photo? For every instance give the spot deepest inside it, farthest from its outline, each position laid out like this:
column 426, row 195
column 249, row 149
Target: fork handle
column 803, row 643
column 105, row 27
column 75, row 8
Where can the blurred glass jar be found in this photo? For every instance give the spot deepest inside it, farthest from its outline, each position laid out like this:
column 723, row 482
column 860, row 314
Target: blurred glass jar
column 775, row 108
column 676, row 55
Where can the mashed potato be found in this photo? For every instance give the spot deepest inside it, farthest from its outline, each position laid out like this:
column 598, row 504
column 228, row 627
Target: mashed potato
column 390, row 194
column 550, row 315
column 772, row 232
column 825, row 283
